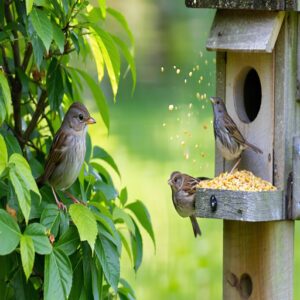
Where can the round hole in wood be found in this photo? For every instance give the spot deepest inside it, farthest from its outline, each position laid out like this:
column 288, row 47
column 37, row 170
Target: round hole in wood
column 246, row 286
column 248, row 95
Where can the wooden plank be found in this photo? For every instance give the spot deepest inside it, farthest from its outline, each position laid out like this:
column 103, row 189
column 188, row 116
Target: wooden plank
column 259, row 132
column 262, row 253
column 288, row 5
column 296, row 179
column 244, row 31
column 221, row 58
column 239, row 205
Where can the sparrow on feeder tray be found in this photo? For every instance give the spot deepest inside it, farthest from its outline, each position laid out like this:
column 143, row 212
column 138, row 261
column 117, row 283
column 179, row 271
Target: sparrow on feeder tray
column 229, row 139
column 183, row 189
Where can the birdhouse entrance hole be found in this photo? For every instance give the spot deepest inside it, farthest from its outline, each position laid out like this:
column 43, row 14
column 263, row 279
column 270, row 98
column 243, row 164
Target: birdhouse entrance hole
column 248, row 95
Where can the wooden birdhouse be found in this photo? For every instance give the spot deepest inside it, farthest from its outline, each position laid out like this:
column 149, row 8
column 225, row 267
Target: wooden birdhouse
column 258, row 59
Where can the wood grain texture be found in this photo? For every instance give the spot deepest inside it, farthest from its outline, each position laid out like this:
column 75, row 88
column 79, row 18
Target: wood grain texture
column 259, row 132
column 244, row 31
column 296, row 178
column 262, row 250
column 221, row 58
column 241, row 206
column 288, row 5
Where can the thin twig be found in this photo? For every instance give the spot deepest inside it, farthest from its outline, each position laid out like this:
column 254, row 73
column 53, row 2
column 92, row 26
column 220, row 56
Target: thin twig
column 35, row 117
column 27, row 56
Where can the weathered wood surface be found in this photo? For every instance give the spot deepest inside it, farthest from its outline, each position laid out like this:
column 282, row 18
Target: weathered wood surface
column 244, row 31
column 241, row 206
column 221, row 92
column 288, row 5
column 296, row 179
column 259, row 132
column 262, row 253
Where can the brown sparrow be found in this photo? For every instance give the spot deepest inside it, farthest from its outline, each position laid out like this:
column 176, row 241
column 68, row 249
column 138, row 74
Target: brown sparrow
column 67, row 151
column 183, row 196
column 229, row 139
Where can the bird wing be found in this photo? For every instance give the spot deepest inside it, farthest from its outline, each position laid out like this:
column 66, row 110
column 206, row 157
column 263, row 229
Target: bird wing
column 55, row 155
column 233, row 129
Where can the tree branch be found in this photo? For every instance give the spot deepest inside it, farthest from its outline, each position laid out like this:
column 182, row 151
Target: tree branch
column 35, row 117
column 5, row 61
column 27, row 56
column 16, row 86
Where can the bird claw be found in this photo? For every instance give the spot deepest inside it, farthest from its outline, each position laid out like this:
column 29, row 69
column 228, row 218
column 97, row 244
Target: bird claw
column 61, row 206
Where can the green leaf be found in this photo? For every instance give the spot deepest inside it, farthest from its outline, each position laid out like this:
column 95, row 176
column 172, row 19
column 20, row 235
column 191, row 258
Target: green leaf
column 42, row 26
column 98, row 96
column 9, row 233
column 58, row 276
column 69, row 241
column 125, row 244
column 85, row 222
column 58, row 37
column 97, row 276
column 102, row 6
column 3, row 156
column 129, row 58
column 111, row 57
column 55, row 86
column 5, row 98
column 108, row 257
column 29, row 4
column 121, row 214
column 100, row 153
column 27, row 254
column 38, row 49
column 23, row 182
column 50, row 218
column 41, row 242
column 123, row 196
column 137, row 247
column 142, row 214
column 121, row 19
column 98, row 58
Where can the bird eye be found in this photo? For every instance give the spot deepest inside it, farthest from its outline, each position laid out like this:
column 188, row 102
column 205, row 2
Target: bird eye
column 80, row 117
column 218, row 102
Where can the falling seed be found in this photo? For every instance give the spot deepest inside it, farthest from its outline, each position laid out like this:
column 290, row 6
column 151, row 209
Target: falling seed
column 171, row 107
column 194, row 160
column 176, row 107
column 178, row 119
column 208, row 84
column 199, row 81
column 198, row 95
column 205, row 126
column 200, row 53
column 177, row 71
column 206, row 61
column 194, row 69
column 190, row 105
column 211, row 121
column 171, row 138
column 185, row 81
column 203, row 106
column 190, row 74
column 197, row 67
column 174, row 67
column 201, row 77
column 201, row 97
column 204, row 95
column 182, row 143
column 196, row 146
column 162, row 69
column 202, row 154
column 186, row 156
column 189, row 115
column 214, row 60
column 164, row 124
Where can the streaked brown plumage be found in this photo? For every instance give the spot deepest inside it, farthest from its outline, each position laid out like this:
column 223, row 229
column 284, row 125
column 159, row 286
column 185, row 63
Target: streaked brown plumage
column 67, row 151
column 183, row 196
column 229, row 139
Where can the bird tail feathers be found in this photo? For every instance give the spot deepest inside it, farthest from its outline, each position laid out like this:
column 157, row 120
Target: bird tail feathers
column 195, row 225
column 254, row 148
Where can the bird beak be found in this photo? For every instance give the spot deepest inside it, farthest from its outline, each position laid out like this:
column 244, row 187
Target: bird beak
column 169, row 181
column 212, row 100
column 90, row 120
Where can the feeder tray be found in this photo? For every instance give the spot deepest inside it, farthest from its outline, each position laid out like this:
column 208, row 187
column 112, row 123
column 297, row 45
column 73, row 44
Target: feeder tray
column 240, row 205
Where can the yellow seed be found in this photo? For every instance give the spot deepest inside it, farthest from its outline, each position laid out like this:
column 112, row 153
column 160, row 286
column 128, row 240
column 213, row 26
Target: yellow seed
column 171, row 107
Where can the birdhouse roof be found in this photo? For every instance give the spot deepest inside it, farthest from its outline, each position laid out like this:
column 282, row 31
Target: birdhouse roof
column 246, row 32
column 286, row 5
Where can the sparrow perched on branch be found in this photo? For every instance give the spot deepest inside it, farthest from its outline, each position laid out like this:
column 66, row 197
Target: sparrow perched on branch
column 183, row 196
column 229, row 139
column 67, row 152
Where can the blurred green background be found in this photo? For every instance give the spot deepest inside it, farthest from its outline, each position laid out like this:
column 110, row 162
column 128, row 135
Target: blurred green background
column 166, row 125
